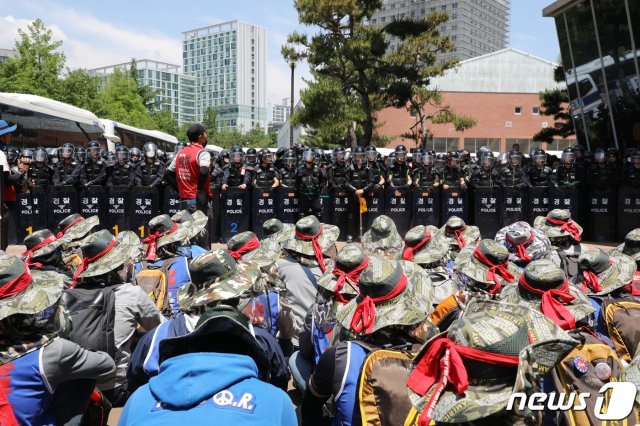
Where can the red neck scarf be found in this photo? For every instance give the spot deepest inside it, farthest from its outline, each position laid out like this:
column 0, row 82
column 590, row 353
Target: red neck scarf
column 457, row 233
column 249, row 246
column 28, row 254
column 409, row 251
column 364, row 317
column 634, row 287
column 66, row 228
column 87, row 260
column 317, row 250
column 16, row 285
column 590, row 280
column 442, row 365
column 352, row 276
column 569, row 226
column 152, row 241
column 551, row 306
column 494, row 271
column 521, row 249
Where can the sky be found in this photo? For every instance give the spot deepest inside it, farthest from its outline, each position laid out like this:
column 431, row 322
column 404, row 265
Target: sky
column 99, row 33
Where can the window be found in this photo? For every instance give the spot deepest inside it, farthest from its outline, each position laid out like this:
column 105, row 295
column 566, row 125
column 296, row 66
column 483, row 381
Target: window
column 526, row 145
column 535, row 110
column 472, row 144
column 443, row 144
column 518, row 110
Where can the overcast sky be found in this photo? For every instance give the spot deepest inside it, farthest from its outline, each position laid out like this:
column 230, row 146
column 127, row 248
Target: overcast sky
column 98, row 33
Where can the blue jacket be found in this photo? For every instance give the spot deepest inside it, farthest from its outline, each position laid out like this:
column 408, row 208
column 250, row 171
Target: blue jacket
column 208, row 388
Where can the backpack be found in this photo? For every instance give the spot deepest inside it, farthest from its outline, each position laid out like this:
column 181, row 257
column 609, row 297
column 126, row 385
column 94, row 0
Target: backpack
column 621, row 317
column 92, row 312
column 570, row 261
column 153, row 280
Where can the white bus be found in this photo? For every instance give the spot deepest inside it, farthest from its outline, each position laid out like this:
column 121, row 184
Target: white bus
column 117, row 133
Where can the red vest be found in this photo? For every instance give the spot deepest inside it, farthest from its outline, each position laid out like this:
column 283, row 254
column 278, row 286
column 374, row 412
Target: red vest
column 188, row 172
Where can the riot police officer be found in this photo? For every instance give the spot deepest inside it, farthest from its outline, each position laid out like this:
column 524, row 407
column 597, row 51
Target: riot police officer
column 266, row 176
column 81, row 155
column 423, row 175
column 452, row 175
column 440, row 163
column 601, row 174
column 416, row 158
column 151, row 170
column 513, row 176
column 94, row 171
column 632, row 171
column 310, row 182
column 539, row 174
column 359, row 181
column 217, row 173
column 484, row 175
column 40, row 174
column 251, row 159
column 475, row 165
column 374, row 165
column 288, row 178
column 122, row 171
column 280, row 157
column 235, row 173
column 399, row 172
column 134, row 157
column 566, row 175
column 67, row 171
column 337, row 172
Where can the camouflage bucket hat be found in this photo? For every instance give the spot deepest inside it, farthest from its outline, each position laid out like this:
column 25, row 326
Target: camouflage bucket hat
column 543, row 275
column 383, row 238
column 163, row 224
column 383, row 278
column 631, row 245
column 309, row 226
column 601, row 274
column 433, row 251
column 350, row 257
column 131, row 240
column 468, row 263
column 554, row 230
column 107, row 251
column 265, row 253
column 41, row 243
column 533, row 240
column 75, row 227
column 524, row 343
column 456, row 230
column 196, row 222
column 42, row 288
column 273, row 229
column 216, row 276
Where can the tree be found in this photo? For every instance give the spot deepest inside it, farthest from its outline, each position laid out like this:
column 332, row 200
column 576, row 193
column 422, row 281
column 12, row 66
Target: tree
column 79, row 89
column 146, row 92
column 164, row 121
column 120, row 101
column 210, row 121
column 555, row 102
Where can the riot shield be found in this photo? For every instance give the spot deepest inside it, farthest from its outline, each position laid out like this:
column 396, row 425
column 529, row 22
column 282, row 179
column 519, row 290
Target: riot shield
column 375, row 207
column 235, row 212
column 487, row 208
column 60, row 204
column 538, row 202
column 325, row 200
column 31, row 214
column 264, row 208
column 170, row 201
column 338, row 210
column 454, row 203
column 397, row 205
column 601, row 215
column 93, row 202
column 143, row 207
column 288, row 209
column 564, row 198
column 426, row 207
column 628, row 211
column 514, row 205
column 118, row 208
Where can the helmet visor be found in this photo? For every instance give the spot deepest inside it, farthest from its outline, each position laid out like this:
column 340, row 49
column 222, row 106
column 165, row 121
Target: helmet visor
column 540, row 159
column 150, row 151
column 515, row 160
column 487, row 161
column 40, row 155
column 66, row 152
column 93, row 151
column 339, row 156
column 358, row 158
column 428, row 160
column 401, row 156
column 236, row 157
column 267, row 158
column 599, row 157
column 371, row 156
column 123, row 155
column 568, row 157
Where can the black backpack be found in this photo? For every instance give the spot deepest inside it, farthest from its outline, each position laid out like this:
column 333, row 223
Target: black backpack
column 92, row 312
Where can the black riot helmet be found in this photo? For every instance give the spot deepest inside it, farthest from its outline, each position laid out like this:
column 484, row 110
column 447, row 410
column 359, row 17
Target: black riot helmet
column 122, row 153
column 93, row 149
column 224, row 156
column 53, row 155
column 12, row 155
column 401, row 153
column 110, row 158
column 280, row 152
column 236, row 155
column 515, row 158
column 568, row 156
column 539, row 157
column 441, row 160
column 289, row 160
column 251, row 157
column 134, row 155
column 579, row 150
column 40, row 155
column 26, row 153
column 338, row 154
column 308, row 155
column 162, row 156
column 487, row 159
column 179, row 147
column 481, row 151
column 372, row 153
column 171, row 156
column 599, row 156
column 150, row 150
column 359, row 155
column 81, row 154
column 428, row 159
column 66, row 151
column 453, row 158
column 266, row 156
column 417, row 156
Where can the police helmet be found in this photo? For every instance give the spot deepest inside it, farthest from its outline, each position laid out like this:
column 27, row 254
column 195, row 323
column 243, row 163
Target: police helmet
column 280, row 152
column 110, row 158
column 338, row 154
column 40, row 155
column 481, row 151
column 150, row 150
column 236, row 154
column 135, row 154
column 12, row 155
column 289, row 159
column 162, row 156
column 487, row 159
column 515, row 157
column 568, row 156
column 251, row 157
column 539, row 157
column 401, row 153
column 359, row 155
column 179, row 147
column 81, row 154
column 266, row 156
column 372, row 153
column 93, row 149
column 308, row 155
column 26, row 153
column 428, row 158
column 599, row 156
column 66, row 151
column 170, row 156
column 122, row 153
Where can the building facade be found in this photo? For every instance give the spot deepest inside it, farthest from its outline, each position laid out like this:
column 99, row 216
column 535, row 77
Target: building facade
column 229, row 62
column 5, row 54
column 476, row 27
column 600, row 45
column 175, row 91
column 278, row 115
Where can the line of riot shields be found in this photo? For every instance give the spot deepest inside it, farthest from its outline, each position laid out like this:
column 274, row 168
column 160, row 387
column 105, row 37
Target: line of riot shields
column 606, row 215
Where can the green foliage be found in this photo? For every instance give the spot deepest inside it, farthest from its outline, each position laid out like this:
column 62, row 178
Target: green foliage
column 80, row 89
column 164, row 121
column 255, row 138
column 210, row 121
column 555, row 103
column 147, row 93
column 119, row 101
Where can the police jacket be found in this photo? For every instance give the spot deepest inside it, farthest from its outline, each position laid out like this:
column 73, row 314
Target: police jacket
column 121, row 175
column 565, row 177
column 264, row 175
column 425, row 177
column 40, row 176
column 310, row 180
column 288, row 178
column 359, row 178
column 217, row 174
column 149, row 174
column 540, row 177
column 451, row 176
column 602, row 177
column 236, row 176
column 94, row 173
column 337, row 175
column 398, row 175
column 631, row 177
column 480, row 177
column 514, row 178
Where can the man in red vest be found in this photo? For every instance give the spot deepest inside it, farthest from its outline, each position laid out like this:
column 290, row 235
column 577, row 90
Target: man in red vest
column 9, row 192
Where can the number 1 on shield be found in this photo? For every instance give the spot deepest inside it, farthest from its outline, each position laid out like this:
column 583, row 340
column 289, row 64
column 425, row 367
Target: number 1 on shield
column 29, row 230
column 141, row 229
column 116, row 229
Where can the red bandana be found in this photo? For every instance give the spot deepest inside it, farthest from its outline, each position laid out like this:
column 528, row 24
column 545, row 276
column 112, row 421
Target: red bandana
column 365, row 314
column 442, row 365
column 317, row 250
column 250, row 245
column 551, row 307
column 409, row 251
column 353, row 277
column 569, row 226
column 457, row 233
column 634, row 287
column 16, row 285
column 494, row 271
column 152, row 241
column 590, row 280
column 87, row 260
column 28, row 254
column 521, row 249
column 66, row 228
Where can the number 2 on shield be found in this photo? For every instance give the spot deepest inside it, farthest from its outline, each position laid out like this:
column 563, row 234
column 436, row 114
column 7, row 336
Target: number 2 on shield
column 234, row 227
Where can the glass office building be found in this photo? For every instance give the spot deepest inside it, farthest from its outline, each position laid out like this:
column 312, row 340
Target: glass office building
column 599, row 44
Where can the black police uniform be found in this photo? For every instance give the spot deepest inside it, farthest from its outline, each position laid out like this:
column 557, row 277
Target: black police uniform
column 483, row 178
column 540, row 177
column 149, row 174
column 337, row 175
column 94, row 172
column 264, row 175
column 357, row 178
column 41, row 176
column 236, row 176
column 631, row 176
column 451, row 176
column 398, row 176
column 425, row 177
column 565, row 177
column 66, row 173
column 288, row 178
column 514, row 178
column 310, row 182
column 602, row 177
column 121, row 175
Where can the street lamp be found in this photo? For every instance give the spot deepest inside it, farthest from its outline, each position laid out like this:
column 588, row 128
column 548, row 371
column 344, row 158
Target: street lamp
column 292, row 64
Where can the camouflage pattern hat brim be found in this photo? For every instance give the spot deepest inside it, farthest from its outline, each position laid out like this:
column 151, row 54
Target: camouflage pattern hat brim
column 230, row 287
column 115, row 257
column 44, row 291
column 288, row 232
column 550, row 230
column 327, row 239
column 538, row 248
column 130, row 239
column 51, row 247
column 435, row 250
column 550, row 344
column 471, row 235
column 195, row 226
column 411, row 307
column 328, row 281
column 388, row 245
column 619, row 274
column 466, row 264
column 82, row 228
column 620, row 249
column 268, row 252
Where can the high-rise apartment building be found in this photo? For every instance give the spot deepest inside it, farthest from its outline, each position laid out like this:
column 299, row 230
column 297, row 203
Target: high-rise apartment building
column 229, row 61
column 476, row 26
column 175, row 91
column 278, row 114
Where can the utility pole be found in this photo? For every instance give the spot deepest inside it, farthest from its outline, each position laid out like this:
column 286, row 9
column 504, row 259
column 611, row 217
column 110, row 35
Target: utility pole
column 292, row 63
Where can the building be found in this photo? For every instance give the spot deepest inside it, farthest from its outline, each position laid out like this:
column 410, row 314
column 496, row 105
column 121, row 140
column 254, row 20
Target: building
column 176, row 92
column 500, row 90
column 5, row 54
column 284, row 134
column 278, row 115
column 600, row 45
column 476, row 27
column 229, row 62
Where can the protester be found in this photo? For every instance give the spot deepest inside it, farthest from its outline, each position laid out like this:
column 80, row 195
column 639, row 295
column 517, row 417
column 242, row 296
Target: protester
column 383, row 239
column 460, row 235
column 524, row 243
column 44, row 252
column 565, row 236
